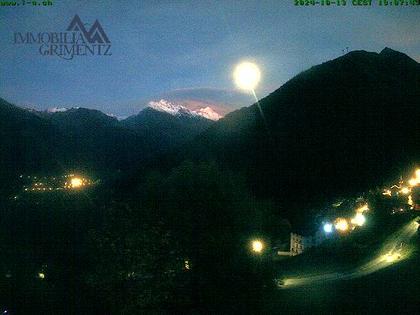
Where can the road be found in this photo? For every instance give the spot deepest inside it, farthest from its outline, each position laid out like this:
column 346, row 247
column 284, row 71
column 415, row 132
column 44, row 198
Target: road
column 394, row 249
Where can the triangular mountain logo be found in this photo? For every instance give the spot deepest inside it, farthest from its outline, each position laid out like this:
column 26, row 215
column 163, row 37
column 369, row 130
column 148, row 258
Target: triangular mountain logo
column 96, row 33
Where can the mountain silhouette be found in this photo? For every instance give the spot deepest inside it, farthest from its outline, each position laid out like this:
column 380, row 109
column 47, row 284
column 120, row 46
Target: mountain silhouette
column 338, row 128
column 86, row 140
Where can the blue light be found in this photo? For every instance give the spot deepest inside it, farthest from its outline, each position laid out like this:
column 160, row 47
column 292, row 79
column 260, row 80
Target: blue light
column 328, row 227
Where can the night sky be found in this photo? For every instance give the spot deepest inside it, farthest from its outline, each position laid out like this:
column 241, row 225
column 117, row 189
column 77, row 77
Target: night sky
column 164, row 47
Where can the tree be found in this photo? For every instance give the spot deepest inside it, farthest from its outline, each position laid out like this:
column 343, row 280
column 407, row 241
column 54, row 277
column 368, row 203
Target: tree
column 182, row 243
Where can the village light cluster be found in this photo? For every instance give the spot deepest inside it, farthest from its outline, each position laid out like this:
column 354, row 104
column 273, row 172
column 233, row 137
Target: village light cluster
column 404, row 190
column 343, row 225
column 49, row 184
column 401, row 189
column 416, row 179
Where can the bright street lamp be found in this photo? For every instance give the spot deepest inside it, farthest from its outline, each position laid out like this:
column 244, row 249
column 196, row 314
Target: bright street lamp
column 359, row 219
column 257, row 246
column 341, row 225
column 328, row 228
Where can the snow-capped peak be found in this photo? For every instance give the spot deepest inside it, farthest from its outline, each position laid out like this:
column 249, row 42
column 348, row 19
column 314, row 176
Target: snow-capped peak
column 208, row 113
column 168, row 107
column 57, row 109
column 176, row 109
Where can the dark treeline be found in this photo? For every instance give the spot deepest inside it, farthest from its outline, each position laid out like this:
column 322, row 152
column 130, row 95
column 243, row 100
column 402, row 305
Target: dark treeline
column 180, row 243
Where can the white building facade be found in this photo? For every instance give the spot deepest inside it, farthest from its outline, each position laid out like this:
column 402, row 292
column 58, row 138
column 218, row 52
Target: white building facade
column 300, row 243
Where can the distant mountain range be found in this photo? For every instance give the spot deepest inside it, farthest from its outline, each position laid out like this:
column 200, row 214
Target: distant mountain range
column 171, row 107
column 221, row 101
column 179, row 110
column 85, row 139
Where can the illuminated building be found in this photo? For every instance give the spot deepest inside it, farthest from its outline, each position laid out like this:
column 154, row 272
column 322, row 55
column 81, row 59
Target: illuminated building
column 299, row 243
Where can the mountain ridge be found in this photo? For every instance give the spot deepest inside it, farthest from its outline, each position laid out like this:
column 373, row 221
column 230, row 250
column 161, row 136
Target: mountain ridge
column 335, row 128
column 84, row 139
column 347, row 116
